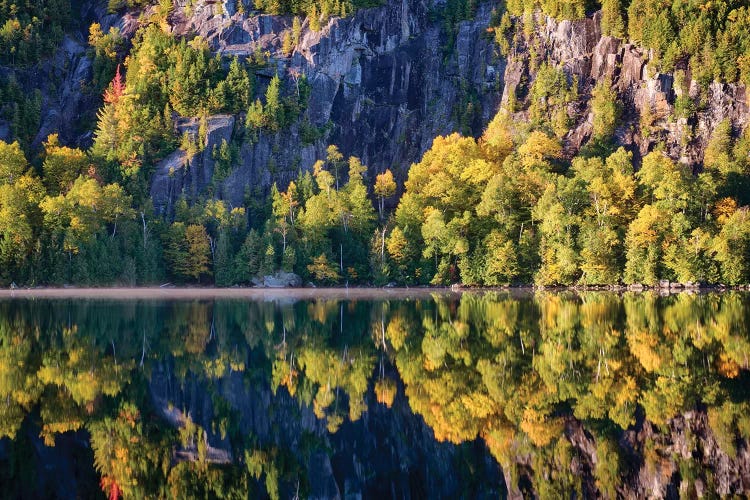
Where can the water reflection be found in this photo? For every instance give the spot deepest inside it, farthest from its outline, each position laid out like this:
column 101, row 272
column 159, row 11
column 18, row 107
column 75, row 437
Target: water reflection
column 593, row 393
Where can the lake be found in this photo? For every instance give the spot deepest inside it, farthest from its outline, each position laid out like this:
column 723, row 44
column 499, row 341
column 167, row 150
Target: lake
column 373, row 394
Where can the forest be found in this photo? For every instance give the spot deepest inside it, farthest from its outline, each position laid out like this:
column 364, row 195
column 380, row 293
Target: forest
column 510, row 207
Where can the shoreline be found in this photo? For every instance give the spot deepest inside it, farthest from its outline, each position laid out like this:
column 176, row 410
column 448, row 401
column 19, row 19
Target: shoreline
column 260, row 293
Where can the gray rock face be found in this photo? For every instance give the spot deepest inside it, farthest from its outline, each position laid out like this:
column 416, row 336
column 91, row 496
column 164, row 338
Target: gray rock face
column 403, row 458
column 580, row 49
column 687, row 437
column 61, row 81
column 384, row 84
column 382, row 88
column 279, row 280
column 177, row 174
column 68, row 106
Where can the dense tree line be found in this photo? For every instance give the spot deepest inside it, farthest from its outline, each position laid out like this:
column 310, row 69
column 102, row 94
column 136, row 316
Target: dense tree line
column 509, row 370
column 21, row 109
column 508, row 208
column 317, row 12
column 85, row 217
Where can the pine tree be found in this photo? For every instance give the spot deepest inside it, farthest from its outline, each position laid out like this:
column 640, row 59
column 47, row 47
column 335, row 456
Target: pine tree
column 224, row 274
column 612, row 22
column 239, row 87
column 273, row 112
column 296, row 30
column 314, row 17
column 606, row 110
column 287, row 44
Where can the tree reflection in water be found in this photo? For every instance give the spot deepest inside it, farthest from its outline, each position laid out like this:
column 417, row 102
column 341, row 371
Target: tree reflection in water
column 590, row 393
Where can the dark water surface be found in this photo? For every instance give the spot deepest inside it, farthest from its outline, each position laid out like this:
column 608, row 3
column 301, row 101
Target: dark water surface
column 368, row 394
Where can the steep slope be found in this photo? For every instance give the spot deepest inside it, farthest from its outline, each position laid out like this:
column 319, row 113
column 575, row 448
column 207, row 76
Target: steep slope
column 187, row 125
column 384, row 83
column 581, row 50
column 62, row 80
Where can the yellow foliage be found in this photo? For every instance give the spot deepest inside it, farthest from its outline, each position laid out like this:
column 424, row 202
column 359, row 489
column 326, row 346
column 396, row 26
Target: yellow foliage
column 642, row 344
column 497, row 141
column 724, row 208
column 540, row 429
column 396, row 245
column 385, row 391
column 538, row 150
column 727, row 367
column 501, row 441
column 479, row 405
column 396, row 332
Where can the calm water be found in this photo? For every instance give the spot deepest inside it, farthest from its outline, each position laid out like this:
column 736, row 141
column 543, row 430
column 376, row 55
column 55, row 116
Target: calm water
column 374, row 395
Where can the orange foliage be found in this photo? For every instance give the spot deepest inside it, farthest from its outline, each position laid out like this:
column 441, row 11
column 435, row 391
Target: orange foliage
column 116, row 88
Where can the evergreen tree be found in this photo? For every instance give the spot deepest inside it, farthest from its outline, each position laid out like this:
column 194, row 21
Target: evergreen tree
column 273, row 111
column 606, row 111
column 187, row 250
column 612, row 22
column 239, row 87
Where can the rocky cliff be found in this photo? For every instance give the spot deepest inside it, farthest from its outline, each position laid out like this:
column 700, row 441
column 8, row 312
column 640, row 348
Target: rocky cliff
column 680, row 458
column 581, row 50
column 383, row 86
column 384, row 83
column 387, row 453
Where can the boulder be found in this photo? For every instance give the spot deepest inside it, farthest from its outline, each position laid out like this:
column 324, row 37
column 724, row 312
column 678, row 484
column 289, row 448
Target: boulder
column 282, row 280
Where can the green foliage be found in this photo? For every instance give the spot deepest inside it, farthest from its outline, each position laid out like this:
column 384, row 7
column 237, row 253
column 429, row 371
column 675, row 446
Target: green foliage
column 22, row 109
column 31, row 29
column 711, row 37
column 187, row 250
column 510, row 208
column 115, row 5
column 273, row 113
column 69, row 225
column 452, row 12
column 105, row 47
column 62, row 166
column 296, row 30
column 316, row 11
column 560, row 9
column 225, row 156
column 528, row 376
column 503, row 33
column 606, row 110
column 193, row 75
column 163, row 75
column 239, row 87
column 549, row 97
column 322, row 270
column 612, row 19
column 279, row 110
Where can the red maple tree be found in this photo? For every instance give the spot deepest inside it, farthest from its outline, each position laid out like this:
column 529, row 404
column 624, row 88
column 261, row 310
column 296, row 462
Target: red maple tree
column 116, row 88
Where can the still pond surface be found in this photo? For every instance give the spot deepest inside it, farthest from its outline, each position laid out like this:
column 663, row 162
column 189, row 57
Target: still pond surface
column 373, row 394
